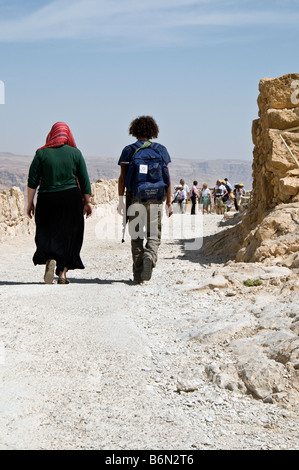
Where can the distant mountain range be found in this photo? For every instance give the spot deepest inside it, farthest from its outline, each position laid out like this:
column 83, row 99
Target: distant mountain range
column 14, row 170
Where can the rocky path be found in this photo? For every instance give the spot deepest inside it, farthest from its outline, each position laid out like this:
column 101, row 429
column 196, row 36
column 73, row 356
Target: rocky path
column 105, row 364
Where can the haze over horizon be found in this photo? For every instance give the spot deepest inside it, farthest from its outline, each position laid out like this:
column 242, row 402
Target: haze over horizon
column 195, row 66
column 14, row 170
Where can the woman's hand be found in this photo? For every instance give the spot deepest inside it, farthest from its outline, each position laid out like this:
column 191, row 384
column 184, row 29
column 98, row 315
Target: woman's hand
column 30, row 210
column 87, row 209
column 30, row 205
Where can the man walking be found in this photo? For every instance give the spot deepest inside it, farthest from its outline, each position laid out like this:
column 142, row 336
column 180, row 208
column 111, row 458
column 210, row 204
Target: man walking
column 145, row 181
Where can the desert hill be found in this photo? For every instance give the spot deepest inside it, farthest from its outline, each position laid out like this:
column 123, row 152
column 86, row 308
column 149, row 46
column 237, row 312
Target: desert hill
column 14, row 170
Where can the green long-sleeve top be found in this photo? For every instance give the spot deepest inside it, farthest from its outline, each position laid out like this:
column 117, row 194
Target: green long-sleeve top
column 56, row 169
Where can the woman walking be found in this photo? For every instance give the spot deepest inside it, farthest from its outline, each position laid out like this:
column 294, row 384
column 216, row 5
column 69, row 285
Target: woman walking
column 59, row 171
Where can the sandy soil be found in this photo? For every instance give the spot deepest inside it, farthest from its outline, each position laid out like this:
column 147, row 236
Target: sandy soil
column 97, row 364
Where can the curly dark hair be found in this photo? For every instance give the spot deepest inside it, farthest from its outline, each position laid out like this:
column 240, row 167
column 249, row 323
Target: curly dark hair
column 144, row 126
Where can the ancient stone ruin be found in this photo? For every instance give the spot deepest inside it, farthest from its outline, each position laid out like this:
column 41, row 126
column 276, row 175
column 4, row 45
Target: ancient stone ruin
column 268, row 231
column 12, row 217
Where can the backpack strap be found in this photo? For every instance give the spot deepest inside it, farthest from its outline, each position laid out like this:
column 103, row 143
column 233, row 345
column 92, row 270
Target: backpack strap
column 143, row 146
column 155, row 145
column 136, row 146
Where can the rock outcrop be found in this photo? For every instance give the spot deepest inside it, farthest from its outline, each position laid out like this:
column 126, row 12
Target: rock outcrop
column 14, row 221
column 12, row 217
column 269, row 228
column 104, row 197
column 260, row 335
column 275, row 172
column 105, row 193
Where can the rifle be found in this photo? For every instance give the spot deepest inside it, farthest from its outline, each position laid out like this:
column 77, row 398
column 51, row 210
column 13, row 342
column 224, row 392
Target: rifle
column 125, row 215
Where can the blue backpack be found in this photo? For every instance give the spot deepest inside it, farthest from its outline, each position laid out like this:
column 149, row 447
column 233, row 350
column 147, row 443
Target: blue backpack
column 147, row 178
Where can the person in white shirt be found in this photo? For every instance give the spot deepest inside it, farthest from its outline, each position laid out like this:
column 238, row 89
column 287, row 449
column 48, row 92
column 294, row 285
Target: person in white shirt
column 205, row 198
column 180, row 197
column 185, row 188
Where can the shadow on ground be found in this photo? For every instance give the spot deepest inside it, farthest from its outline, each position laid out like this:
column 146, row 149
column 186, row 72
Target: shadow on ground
column 72, row 281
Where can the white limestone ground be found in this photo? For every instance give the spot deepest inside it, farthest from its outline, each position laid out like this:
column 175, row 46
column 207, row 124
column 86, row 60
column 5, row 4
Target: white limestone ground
column 190, row 360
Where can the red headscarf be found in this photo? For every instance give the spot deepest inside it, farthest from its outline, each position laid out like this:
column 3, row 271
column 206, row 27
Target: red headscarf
column 60, row 134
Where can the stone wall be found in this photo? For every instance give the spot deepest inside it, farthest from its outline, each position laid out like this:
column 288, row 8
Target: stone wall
column 104, row 192
column 104, row 197
column 269, row 231
column 275, row 173
column 13, row 220
column 271, row 223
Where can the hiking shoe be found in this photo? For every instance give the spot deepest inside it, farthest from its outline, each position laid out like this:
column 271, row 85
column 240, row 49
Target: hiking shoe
column 147, row 269
column 49, row 272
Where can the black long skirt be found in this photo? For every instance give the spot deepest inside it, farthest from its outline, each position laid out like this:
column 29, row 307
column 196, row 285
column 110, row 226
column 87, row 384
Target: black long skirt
column 59, row 229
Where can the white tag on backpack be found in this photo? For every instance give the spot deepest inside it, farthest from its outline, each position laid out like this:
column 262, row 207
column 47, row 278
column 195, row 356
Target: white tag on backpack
column 143, row 169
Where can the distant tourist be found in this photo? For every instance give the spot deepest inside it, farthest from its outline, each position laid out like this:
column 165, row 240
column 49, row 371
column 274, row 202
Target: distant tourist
column 146, row 186
column 219, row 192
column 229, row 203
column 228, row 183
column 180, row 197
column 59, row 172
column 205, row 199
column 239, row 192
column 194, row 195
column 227, row 194
column 186, row 189
column 234, row 193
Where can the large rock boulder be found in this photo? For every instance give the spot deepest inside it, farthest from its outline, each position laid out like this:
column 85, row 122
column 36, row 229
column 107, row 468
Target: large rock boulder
column 105, row 197
column 104, row 192
column 13, row 220
column 275, row 239
column 269, row 227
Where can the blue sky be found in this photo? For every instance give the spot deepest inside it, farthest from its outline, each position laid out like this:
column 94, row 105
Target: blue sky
column 194, row 66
